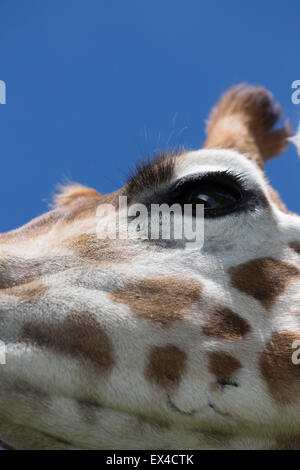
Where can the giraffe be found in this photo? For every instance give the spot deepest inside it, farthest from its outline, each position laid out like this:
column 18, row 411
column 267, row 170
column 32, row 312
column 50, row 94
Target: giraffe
column 135, row 344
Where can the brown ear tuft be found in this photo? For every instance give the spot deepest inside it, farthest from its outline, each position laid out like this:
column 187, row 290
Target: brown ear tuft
column 243, row 120
column 72, row 193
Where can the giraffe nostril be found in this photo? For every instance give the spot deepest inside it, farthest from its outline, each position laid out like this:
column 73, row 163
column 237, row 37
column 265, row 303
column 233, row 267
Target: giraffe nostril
column 225, row 381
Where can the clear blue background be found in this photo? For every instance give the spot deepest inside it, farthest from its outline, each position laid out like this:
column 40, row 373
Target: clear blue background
column 92, row 85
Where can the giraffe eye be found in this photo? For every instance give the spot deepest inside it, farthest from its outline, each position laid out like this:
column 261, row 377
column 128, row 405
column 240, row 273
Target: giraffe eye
column 213, row 195
column 220, row 194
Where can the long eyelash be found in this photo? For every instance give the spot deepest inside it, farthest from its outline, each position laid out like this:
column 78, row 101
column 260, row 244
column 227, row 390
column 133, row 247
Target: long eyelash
column 237, row 178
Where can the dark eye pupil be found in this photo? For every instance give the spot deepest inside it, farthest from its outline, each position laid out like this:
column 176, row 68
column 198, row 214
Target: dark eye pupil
column 219, row 194
column 213, row 199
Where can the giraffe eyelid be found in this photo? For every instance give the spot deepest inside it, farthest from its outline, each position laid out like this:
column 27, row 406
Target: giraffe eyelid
column 234, row 185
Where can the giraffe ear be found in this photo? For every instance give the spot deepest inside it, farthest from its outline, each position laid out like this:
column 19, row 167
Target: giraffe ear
column 244, row 120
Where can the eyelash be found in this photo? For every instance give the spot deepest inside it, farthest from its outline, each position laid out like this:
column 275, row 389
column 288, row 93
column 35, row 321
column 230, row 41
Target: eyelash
column 236, row 178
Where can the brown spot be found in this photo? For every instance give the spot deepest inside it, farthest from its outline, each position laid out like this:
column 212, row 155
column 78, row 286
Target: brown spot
column 265, row 279
column 79, row 336
column 226, row 324
column 223, row 365
column 277, row 368
column 162, row 299
column 27, row 292
column 295, row 246
column 89, row 246
column 165, row 366
column 244, row 120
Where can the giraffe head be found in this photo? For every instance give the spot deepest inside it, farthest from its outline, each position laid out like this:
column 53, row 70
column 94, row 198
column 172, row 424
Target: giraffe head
column 134, row 343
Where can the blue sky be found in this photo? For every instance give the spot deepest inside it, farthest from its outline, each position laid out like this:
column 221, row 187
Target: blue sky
column 93, row 85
